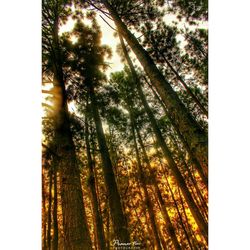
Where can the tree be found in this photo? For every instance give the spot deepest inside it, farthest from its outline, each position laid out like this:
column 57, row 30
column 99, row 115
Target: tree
column 125, row 155
column 167, row 153
column 74, row 221
column 91, row 182
column 87, row 58
column 191, row 131
column 162, row 46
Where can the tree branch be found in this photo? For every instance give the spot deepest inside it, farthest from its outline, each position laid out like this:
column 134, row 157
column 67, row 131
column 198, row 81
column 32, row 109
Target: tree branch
column 107, row 23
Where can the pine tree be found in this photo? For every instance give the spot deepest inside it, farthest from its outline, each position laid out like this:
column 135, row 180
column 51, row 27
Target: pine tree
column 192, row 132
column 74, row 221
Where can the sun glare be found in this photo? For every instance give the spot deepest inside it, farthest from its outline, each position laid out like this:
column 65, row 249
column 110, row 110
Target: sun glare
column 71, row 107
column 68, row 26
column 73, row 39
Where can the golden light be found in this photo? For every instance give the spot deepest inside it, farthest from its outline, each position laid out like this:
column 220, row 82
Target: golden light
column 46, row 87
column 68, row 26
column 73, row 39
column 152, row 151
column 71, row 107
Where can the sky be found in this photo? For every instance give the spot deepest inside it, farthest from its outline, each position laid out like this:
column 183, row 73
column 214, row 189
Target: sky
column 109, row 39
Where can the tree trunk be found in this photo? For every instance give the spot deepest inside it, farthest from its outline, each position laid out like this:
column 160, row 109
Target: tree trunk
column 175, row 171
column 192, row 132
column 76, row 234
column 170, row 228
column 176, row 205
column 195, row 99
column 74, row 219
column 144, row 187
column 194, row 161
column 55, row 223
column 99, row 232
column 186, row 218
column 171, row 163
column 138, row 216
column 49, row 209
column 44, row 219
column 179, row 215
column 117, row 215
column 192, row 178
column 108, row 231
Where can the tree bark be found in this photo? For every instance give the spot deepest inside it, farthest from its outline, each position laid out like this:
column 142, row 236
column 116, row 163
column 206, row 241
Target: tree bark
column 175, row 171
column 170, row 228
column 186, row 218
column 99, row 232
column 44, row 214
column 117, row 215
column 192, row 178
column 193, row 159
column 144, row 187
column 55, row 223
column 74, row 219
column 161, row 142
column 176, row 205
column 76, row 234
column 195, row 99
column 49, row 209
column 192, row 132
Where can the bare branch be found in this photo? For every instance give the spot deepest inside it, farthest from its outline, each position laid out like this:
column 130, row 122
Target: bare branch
column 107, row 23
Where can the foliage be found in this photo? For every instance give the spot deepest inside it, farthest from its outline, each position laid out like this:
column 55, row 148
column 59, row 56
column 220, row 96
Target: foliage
column 146, row 185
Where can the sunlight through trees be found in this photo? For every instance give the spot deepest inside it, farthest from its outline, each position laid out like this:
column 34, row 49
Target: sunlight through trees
column 125, row 153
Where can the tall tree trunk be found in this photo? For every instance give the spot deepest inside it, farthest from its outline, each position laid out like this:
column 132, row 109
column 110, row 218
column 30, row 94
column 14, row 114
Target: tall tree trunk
column 171, row 163
column 117, row 215
column 192, row 132
column 148, row 228
column 144, row 187
column 186, row 217
column 192, row 178
column 197, row 192
column 55, row 223
column 194, row 161
column 108, row 230
column 74, row 220
column 170, row 228
column 139, row 221
column 180, row 216
column 144, row 212
column 195, row 99
column 176, row 206
column 92, row 186
column 49, row 209
column 200, row 48
column 44, row 213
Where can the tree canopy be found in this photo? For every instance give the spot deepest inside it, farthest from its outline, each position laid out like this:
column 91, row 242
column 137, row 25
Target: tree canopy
column 128, row 167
